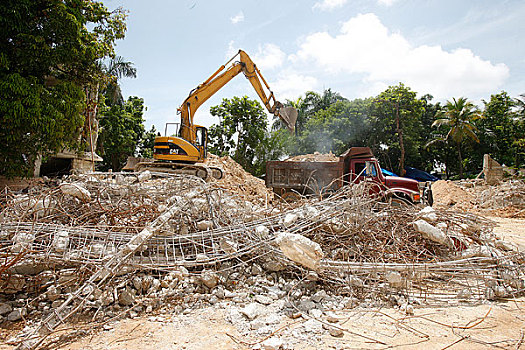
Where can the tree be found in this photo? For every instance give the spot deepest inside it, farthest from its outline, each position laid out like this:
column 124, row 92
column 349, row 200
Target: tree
column 500, row 129
column 519, row 142
column 341, row 125
column 307, row 106
column 122, row 130
column 48, row 54
column 396, row 122
column 241, row 132
column 116, row 69
column 459, row 116
column 147, row 142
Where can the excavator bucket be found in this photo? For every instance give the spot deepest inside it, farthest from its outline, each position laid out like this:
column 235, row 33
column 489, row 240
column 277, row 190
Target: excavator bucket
column 288, row 115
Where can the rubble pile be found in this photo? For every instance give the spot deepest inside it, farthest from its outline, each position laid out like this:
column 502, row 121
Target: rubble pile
column 109, row 244
column 314, row 157
column 236, row 180
column 506, row 198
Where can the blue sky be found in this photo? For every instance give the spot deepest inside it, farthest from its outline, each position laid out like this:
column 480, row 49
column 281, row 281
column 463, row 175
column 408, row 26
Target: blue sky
column 447, row 48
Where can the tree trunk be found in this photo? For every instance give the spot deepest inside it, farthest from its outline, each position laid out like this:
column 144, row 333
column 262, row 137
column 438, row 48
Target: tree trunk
column 401, row 143
column 460, row 162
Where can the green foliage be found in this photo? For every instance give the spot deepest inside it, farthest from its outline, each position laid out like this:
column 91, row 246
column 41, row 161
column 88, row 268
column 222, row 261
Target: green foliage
column 48, row 53
column 312, row 103
column 35, row 118
column 121, row 133
column 147, row 142
column 501, row 129
column 396, row 124
column 337, row 127
column 115, row 69
column 242, row 133
column 457, row 117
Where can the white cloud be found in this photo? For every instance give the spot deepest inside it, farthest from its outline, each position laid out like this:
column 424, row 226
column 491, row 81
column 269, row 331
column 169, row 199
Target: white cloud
column 268, row 56
column 291, row 85
column 328, row 5
column 232, row 50
column 386, row 2
column 365, row 46
column 237, row 18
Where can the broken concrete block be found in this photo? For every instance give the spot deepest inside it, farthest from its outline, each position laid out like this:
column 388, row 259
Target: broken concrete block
column 478, row 251
column 262, row 231
column 147, row 282
column 334, row 331
column 5, row 308
column 395, row 279
column 228, row 246
column 204, row 225
column 252, row 310
column 22, row 241
column 53, row 293
column 273, row 343
column 17, row 314
column 464, row 294
column 300, row 249
column 492, row 170
column 489, row 294
column 500, row 291
column 432, row 233
column 60, row 241
column 428, row 214
column 137, row 283
column 155, row 285
column 125, row 298
column 263, row 299
column 273, row 265
column 407, row 309
column 201, row 257
column 13, row 284
column 144, row 176
column 106, row 298
column 209, row 278
column 290, row 219
column 76, row 190
column 311, row 212
column 503, row 245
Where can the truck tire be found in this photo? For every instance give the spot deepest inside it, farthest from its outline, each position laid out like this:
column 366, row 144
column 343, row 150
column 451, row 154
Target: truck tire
column 399, row 201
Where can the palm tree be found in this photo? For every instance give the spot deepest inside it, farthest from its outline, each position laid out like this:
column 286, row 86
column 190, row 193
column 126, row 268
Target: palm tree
column 116, row 69
column 459, row 115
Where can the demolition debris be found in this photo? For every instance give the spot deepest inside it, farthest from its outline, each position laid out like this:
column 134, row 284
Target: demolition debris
column 108, row 244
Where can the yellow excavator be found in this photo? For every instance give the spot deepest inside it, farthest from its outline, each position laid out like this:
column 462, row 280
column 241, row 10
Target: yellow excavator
column 185, row 153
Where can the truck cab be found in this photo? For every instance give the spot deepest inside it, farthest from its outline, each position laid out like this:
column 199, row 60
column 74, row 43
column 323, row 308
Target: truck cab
column 368, row 169
column 359, row 164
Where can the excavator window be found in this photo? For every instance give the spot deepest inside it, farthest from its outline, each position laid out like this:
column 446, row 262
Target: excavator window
column 201, row 136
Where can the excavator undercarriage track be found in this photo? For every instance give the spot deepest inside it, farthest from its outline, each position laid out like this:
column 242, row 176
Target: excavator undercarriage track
column 198, row 169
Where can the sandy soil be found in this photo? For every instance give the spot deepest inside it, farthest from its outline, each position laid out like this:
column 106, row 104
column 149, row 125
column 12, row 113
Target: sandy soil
column 477, row 327
column 490, row 325
column 511, row 230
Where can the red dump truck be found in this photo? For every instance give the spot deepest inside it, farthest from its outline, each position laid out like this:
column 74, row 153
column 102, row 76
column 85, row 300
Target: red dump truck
column 324, row 177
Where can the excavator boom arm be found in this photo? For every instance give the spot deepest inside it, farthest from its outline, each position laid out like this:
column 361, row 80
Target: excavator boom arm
column 220, row 78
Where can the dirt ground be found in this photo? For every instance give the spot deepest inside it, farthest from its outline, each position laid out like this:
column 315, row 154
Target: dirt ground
column 498, row 325
column 491, row 325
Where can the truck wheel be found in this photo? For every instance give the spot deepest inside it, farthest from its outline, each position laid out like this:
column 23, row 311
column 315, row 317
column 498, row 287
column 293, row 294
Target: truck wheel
column 291, row 197
column 399, row 202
